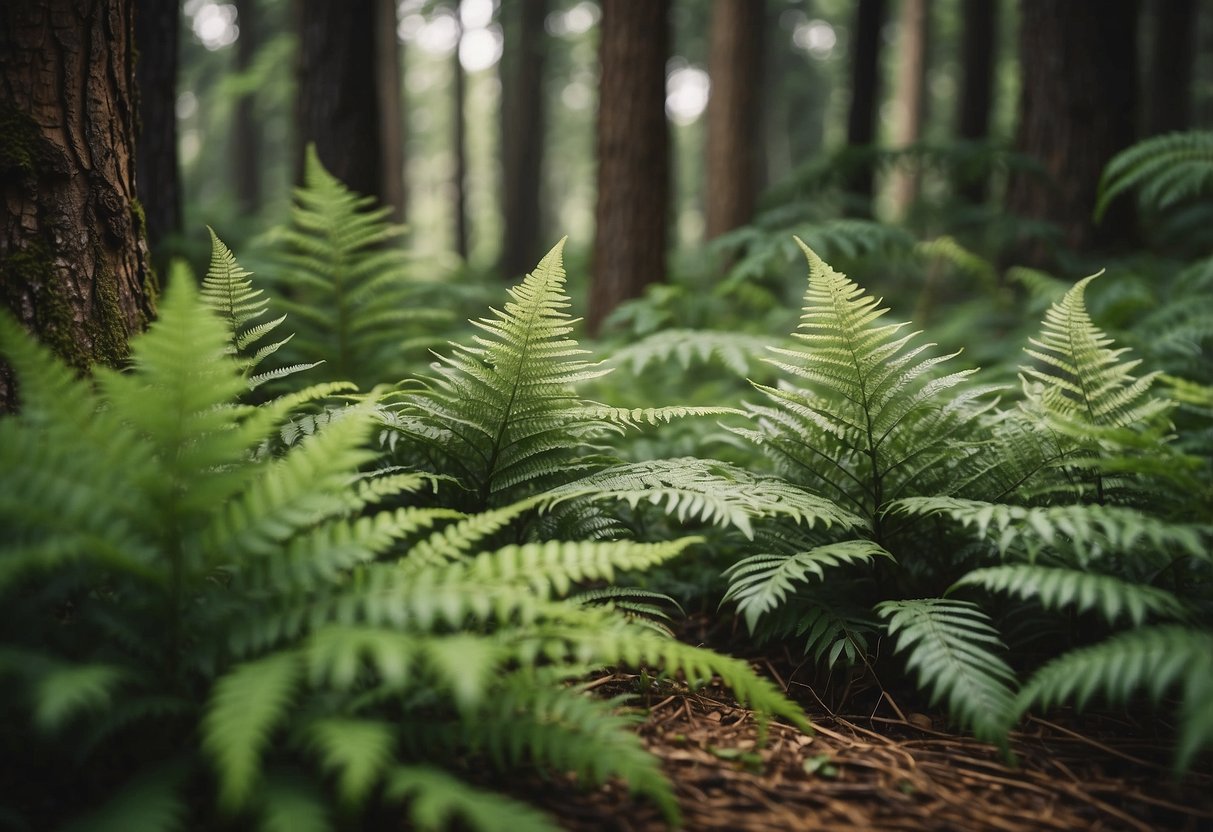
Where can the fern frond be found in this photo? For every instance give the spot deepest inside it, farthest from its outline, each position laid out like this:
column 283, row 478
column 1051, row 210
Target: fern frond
column 1057, row 588
column 151, row 801
column 1088, row 530
column 709, row 490
column 1153, row 659
column 635, row 416
column 735, row 350
column 951, row 648
column 358, row 751
column 1163, row 169
column 761, row 583
column 291, row 804
column 436, row 801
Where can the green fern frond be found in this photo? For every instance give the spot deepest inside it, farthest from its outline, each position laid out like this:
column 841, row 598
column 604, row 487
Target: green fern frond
column 228, row 291
column 709, row 490
column 438, row 801
column 876, row 419
column 1153, row 659
column 1088, row 530
column 502, row 413
column 292, row 804
column 951, row 647
column 150, row 801
column 246, row 706
column 761, row 583
column 635, row 416
column 1163, row 169
column 735, row 350
column 358, row 751
column 1057, row 588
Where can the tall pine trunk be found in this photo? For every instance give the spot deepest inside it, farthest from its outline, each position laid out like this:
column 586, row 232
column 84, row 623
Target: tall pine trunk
column 910, row 99
column 977, row 50
column 734, row 113
column 522, row 133
column 459, row 144
column 865, row 90
column 337, row 104
column 73, row 255
column 1169, row 105
column 1077, row 109
column 633, row 154
column 156, row 172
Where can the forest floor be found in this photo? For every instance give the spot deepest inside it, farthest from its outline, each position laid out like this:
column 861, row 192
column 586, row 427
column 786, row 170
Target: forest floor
column 887, row 768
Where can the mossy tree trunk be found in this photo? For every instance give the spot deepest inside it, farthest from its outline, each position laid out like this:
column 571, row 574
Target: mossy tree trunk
column 734, row 113
column 73, row 256
column 633, row 154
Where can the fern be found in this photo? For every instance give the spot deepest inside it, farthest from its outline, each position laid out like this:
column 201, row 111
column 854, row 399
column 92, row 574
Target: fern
column 346, row 285
column 1152, row 659
column 1164, row 170
column 952, row 646
column 686, row 347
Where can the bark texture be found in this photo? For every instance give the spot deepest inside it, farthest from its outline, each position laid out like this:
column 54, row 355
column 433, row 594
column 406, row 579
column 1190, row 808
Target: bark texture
column 633, row 154
column 734, row 113
column 337, row 105
column 522, row 133
column 1169, row 106
column 156, row 172
column 865, row 87
column 977, row 50
column 1077, row 109
column 246, row 133
column 391, row 109
column 73, row 258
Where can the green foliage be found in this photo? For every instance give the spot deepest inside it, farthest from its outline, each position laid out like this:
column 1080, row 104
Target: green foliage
column 1164, row 170
column 346, row 284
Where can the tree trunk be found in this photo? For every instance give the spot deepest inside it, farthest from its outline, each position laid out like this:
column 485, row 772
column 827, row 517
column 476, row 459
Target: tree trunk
column 246, row 132
column 909, row 100
column 73, row 256
column 977, row 49
column 156, row 172
column 459, row 143
column 734, row 113
column 337, row 105
column 522, row 132
column 1168, row 106
column 391, row 109
column 865, row 89
column 1077, row 109
column 633, row 154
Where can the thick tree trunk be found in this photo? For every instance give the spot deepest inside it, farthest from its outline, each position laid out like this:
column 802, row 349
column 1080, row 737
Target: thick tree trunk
column 977, row 50
column 522, row 132
column 337, row 104
column 391, row 109
column 1169, row 105
column 73, row 257
column 156, row 172
column 865, row 87
column 246, row 133
column 459, row 145
column 910, row 99
column 1077, row 109
column 734, row 113
column 633, row 154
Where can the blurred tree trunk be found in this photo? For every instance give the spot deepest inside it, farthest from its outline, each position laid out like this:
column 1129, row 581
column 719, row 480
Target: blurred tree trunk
column 1077, row 109
column 459, row 143
column 391, row 109
column 977, row 50
column 865, row 89
column 734, row 113
column 909, row 100
column 157, row 180
column 1168, row 106
column 633, row 154
column 246, row 133
column 337, row 103
column 522, row 133
column 73, row 257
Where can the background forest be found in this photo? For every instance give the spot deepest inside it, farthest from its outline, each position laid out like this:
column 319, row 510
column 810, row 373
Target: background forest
column 415, row 414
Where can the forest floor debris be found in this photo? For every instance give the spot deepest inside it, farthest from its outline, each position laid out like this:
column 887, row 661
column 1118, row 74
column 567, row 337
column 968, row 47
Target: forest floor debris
column 889, row 772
